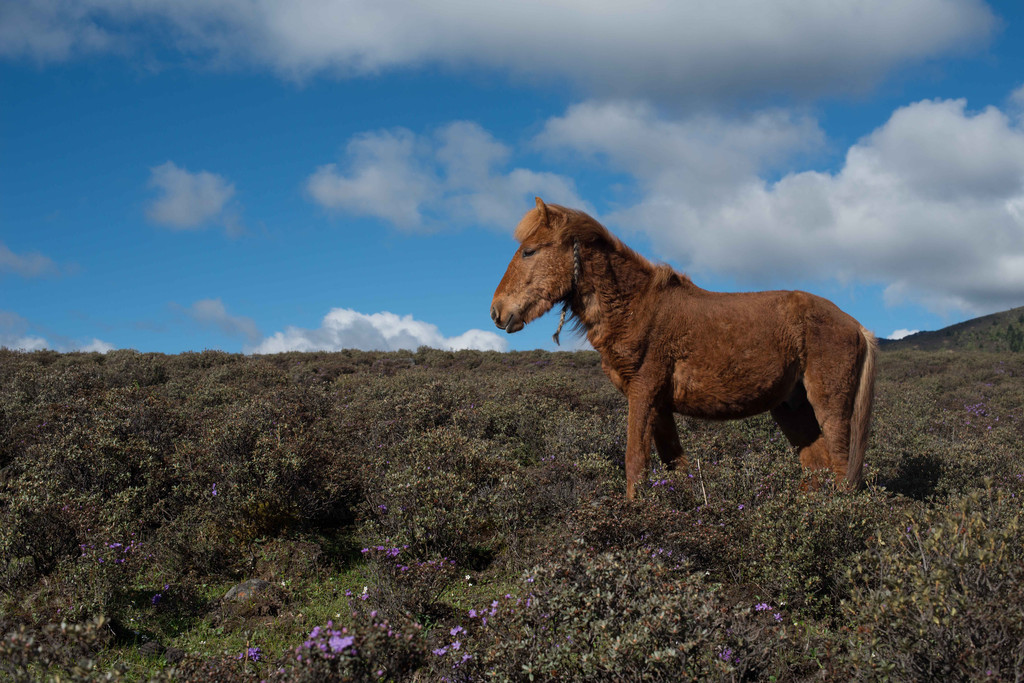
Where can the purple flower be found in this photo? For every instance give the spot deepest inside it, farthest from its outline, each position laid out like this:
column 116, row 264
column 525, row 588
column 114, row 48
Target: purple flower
column 215, row 489
column 761, row 606
column 456, row 630
column 441, row 651
column 456, row 645
column 472, row 614
column 338, row 643
column 253, row 654
column 778, row 617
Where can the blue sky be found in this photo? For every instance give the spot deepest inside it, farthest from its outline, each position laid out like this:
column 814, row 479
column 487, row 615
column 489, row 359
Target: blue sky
column 258, row 177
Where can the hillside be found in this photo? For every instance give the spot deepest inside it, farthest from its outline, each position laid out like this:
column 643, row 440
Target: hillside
column 461, row 516
column 998, row 332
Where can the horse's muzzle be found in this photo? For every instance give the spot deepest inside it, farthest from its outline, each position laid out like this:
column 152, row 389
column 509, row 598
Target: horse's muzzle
column 513, row 324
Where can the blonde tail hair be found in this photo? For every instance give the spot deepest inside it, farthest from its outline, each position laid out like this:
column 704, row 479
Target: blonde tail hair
column 860, row 423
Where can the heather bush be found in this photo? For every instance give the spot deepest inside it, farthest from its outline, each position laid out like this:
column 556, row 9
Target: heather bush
column 939, row 596
column 585, row 615
column 442, row 494
column 370, row 649
column 487, row 490
column 63, row 651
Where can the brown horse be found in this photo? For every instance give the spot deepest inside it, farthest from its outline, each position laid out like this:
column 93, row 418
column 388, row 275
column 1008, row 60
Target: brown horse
column 670, row 346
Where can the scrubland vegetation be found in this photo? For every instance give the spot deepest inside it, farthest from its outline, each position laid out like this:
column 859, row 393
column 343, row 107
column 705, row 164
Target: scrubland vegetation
column 461, row 516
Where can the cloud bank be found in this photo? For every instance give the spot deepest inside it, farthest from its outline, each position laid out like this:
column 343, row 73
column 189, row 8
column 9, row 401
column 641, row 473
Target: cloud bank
column 647, row 47
column 931, row 204
column 457, row 175
column 343, row 328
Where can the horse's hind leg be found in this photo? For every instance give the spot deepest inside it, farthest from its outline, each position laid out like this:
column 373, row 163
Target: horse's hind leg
column 796, row 417
column 833, row 408
column 666, row 439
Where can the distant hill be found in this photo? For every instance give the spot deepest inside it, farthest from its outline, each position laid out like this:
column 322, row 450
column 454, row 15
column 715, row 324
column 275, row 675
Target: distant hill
column 997, row 332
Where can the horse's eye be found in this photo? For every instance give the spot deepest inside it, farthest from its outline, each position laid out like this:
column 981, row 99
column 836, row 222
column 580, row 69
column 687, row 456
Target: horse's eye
column 529, row 252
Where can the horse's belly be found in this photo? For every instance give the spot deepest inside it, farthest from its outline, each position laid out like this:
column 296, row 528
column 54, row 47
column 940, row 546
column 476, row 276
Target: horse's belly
column 730, row 391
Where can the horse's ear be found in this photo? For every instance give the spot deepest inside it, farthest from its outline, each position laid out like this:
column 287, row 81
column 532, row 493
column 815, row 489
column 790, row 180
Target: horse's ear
column 543, row 209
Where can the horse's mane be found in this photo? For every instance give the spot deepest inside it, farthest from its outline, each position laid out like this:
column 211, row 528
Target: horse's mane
column 571, row 225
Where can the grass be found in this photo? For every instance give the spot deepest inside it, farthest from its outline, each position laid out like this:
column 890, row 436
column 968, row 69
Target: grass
column 137, row 489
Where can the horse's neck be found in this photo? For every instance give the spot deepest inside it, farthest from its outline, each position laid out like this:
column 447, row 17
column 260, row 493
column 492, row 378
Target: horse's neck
column 609, row 296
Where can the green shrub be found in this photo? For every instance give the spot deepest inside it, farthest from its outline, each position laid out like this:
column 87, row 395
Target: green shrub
column 940, row 595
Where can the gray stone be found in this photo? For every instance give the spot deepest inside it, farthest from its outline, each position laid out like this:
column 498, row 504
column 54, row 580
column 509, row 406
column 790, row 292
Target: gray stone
column 248, row 590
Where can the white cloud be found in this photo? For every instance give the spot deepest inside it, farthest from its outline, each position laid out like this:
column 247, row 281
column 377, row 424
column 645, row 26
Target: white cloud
column 213, row 313
column 901, row 333
column 344, row 328
column 190, row 200
column 930, row 204
column 700, row 157
column 646, row 47
column 423, row 182
column 97, row 345
column 51, row 30
column 385, row 179
column 16, row 334
column 1016, row 102
column 31, row 264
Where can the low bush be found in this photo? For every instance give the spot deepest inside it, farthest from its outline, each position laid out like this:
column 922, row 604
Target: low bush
column 487, row 490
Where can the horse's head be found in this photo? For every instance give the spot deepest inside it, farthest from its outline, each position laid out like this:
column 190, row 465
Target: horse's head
column 540, row 274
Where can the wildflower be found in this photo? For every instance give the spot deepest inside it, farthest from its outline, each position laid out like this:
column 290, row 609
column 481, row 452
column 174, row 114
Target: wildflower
column 778, row 617
column 472, row 614
column 456, row 630
column 338, row 643
column 215, row 489
column 253, row 654
column 456, row 645
column 441, row 651
column 761, row 606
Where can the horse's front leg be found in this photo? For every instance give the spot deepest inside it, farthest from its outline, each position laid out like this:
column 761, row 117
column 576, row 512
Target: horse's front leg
column 638, row 435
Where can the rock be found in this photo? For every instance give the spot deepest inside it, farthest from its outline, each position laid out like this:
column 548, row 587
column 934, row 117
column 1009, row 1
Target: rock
column 173, row 655
column 248, row 590
column 152, row 649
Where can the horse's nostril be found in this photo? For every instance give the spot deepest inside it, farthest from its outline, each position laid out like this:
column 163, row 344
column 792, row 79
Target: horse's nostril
column 494, row 313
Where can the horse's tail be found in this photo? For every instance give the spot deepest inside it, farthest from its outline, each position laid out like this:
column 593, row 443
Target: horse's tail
column 860, row 423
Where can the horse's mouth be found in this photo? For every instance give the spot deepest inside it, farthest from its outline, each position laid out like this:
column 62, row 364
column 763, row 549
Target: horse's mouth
column 513, row 324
